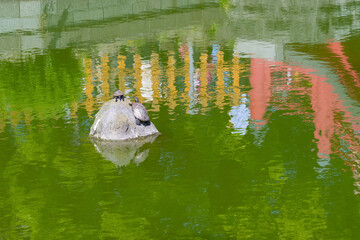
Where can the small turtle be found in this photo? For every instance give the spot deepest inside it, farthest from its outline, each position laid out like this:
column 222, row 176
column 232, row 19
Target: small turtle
column 140, row 113
column 118, row 95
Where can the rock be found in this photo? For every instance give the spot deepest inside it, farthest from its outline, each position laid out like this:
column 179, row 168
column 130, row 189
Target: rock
column 116, row 121
column 122, row 152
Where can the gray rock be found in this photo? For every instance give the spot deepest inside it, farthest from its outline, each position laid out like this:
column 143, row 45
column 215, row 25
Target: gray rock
column 116, row 121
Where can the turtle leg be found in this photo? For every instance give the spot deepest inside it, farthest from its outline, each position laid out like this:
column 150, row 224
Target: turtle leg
column 122, row 97
column 137, row 121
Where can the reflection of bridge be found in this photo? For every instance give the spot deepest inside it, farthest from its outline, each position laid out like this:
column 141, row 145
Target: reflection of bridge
column 111, row 24
column 210, row 81
column 61, row 23
column 38, row 14
column 330, row 109
column 312, row 21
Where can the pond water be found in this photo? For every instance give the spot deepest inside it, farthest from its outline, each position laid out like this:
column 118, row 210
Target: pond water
column 257, row 102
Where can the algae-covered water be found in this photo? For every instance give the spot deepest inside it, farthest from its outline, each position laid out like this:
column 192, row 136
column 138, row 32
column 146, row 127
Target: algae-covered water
column 257, row 102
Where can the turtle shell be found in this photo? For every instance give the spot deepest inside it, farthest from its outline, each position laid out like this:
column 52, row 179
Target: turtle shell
column 118, row 93
column 140, row 112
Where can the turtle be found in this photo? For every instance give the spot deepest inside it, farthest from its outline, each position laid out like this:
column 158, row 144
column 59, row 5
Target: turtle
column 140, row 113
column 118, row 95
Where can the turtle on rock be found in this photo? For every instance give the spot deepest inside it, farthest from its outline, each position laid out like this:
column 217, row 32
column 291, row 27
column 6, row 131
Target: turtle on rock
column 119, row 95
column 140, row 113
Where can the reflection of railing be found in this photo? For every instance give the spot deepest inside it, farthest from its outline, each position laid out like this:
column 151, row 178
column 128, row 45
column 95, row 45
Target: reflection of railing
column 172, row 91
column 214, row 81
column 155, row 82
column 89, row 88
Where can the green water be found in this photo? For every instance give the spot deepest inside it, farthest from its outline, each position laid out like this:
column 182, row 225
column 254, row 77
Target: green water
column 257, row 103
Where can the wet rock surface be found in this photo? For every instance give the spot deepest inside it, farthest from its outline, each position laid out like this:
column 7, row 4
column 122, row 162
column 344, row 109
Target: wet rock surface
column 116, row 121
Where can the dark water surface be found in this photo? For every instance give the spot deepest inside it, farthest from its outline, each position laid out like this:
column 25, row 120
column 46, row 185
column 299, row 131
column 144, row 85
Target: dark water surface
column 257, row 102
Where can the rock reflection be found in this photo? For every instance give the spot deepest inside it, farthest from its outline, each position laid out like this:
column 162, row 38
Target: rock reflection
column 122, row 152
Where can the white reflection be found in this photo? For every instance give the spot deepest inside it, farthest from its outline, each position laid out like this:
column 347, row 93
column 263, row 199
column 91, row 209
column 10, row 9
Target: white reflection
column 193, row 76
column 146, row 88
column 257, row 49
column 240, row 116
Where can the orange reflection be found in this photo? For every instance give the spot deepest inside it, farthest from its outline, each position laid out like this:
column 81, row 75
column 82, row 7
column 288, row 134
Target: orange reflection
column 137, row 76
column 14, row 118
column 2, row 125
column 171, row 81
column 220, row 79
column 89, row 88
column 236, row 80
column 2, row 119
column 74, row 109
column 105, row 77
column 203, row 80
column 28, row 117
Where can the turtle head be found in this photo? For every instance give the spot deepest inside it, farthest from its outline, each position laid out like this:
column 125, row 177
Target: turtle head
column 136, row 99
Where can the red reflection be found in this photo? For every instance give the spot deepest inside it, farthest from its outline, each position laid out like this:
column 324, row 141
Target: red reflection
column 260, row 80
column 337, row 48
column 334, row 123
column 325, row 103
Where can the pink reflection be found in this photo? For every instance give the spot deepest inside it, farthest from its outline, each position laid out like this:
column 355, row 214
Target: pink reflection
column 338, row 49
column 323, row 101
column 260, row 80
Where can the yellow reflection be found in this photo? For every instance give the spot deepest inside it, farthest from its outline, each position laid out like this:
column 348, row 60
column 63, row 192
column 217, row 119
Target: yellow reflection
column 74, row 109
column 105, row 77
column 220, row 79
column 2, row 125
column 2, row 119
column 236, row 80
column 203, row 80
column 137, row 76
column 28, row 117
column 155, row 69
column 121, row 72
column 14, row 118
column 89, row 88
column 151, row 72
column 171, row 81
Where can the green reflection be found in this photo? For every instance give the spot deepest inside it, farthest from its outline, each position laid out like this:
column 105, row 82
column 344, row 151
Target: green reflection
column 259, row 137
